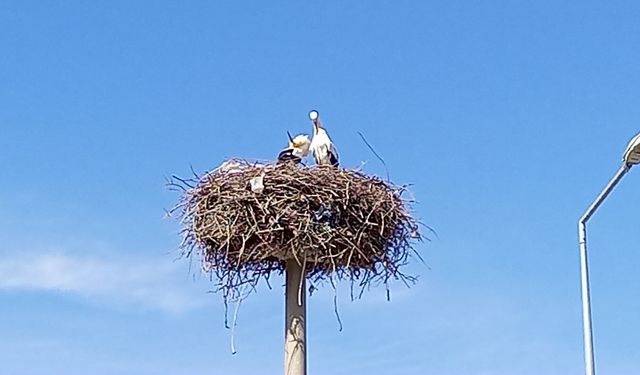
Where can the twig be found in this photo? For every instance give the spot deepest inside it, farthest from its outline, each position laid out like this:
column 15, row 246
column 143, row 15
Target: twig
column 376, row 154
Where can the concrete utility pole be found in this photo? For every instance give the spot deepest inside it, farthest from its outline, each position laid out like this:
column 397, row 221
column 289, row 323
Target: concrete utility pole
column 295, row 325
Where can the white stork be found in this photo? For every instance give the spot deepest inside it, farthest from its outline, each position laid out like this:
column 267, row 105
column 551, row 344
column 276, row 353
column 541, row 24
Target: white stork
column 297, row 150
column 321, row 146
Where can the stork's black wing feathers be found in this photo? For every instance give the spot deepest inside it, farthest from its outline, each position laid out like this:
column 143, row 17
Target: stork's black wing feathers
column 287, row 155
column 333, row 159
column 333, row 155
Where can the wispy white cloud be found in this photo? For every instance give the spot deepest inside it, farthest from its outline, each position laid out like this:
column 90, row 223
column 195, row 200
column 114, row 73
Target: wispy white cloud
column 148, row 283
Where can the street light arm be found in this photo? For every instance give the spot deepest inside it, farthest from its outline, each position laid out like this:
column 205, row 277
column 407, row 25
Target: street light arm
column 605, row 192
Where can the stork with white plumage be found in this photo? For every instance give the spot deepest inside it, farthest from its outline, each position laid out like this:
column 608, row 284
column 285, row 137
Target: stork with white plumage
column 322, row 148
column 297, row 150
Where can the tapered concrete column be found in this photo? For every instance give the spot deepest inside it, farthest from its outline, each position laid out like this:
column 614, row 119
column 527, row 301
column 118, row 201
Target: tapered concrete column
column 295, row 335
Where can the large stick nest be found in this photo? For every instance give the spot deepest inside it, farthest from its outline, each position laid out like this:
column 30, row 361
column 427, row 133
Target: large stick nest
column 333, row 222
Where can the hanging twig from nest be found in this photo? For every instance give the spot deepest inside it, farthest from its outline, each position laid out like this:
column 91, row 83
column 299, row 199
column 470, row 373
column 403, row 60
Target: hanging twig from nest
column 335, row 302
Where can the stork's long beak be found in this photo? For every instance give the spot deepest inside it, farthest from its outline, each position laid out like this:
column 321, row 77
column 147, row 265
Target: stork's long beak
column 317, row 125
column 290, row 137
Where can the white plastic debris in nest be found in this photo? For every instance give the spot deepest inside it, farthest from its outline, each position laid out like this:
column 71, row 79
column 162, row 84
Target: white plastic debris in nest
column 257, row 184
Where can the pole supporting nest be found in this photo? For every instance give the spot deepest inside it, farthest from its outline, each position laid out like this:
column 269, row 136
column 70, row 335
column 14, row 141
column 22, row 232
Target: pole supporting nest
column 295, row 335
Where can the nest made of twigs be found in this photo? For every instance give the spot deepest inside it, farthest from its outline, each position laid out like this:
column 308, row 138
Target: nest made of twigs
column 246, row 219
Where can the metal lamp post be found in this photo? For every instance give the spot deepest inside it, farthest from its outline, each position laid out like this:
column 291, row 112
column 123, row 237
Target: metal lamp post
column 631, row 157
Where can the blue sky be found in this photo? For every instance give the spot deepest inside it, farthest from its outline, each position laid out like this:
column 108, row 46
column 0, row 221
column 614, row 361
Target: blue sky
column 508, row 117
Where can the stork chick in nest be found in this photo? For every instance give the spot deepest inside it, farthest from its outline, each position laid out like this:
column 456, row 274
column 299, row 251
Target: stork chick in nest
column 297, row 150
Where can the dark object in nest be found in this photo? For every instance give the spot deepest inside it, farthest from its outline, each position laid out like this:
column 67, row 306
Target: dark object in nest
column 246, row 219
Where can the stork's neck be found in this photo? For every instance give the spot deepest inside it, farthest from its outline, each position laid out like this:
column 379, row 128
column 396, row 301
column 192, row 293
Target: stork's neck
column 320, row 132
